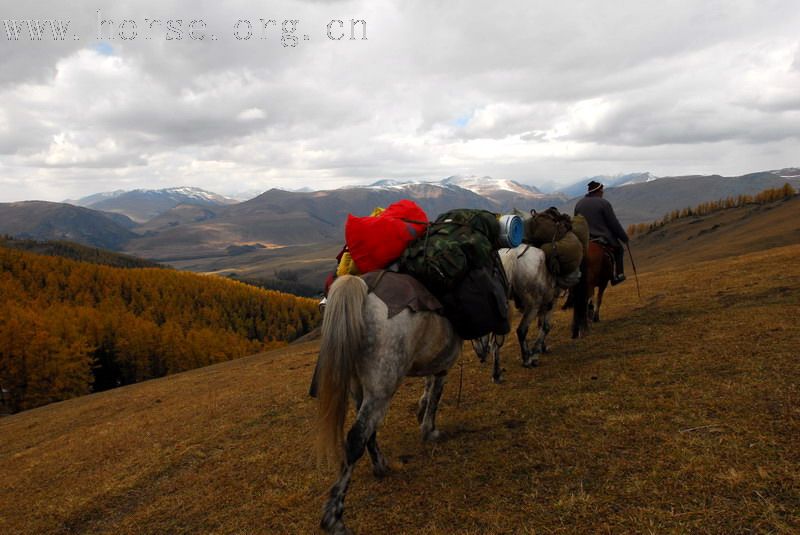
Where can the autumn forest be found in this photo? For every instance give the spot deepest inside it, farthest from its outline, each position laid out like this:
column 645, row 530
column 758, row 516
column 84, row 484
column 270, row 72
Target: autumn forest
column 68, row 328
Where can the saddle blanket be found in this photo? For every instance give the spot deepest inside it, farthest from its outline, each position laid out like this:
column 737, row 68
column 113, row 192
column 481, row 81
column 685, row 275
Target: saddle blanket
column 400, row 291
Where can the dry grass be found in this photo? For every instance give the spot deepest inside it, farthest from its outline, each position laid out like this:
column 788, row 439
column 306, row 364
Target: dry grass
column 680, row 413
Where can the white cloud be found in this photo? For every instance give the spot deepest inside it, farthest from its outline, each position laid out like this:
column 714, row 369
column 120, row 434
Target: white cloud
column 531, row 91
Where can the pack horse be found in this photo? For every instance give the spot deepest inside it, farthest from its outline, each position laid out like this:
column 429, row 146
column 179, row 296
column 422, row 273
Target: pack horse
column 533, row 289
column 366, row 354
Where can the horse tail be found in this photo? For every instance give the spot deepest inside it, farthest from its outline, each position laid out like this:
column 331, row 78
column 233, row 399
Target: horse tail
column 342, row 343
column 579, row 295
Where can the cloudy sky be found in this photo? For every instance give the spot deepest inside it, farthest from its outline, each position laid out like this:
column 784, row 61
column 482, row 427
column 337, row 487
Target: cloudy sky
column 539, row 92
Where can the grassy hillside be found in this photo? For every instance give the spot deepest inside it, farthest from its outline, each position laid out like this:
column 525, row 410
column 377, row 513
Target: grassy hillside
column 719, row 235
column 679, row 413
column 637, row 203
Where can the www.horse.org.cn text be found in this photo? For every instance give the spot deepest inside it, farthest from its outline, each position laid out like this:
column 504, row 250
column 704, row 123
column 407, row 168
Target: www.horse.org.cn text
column 287, row 32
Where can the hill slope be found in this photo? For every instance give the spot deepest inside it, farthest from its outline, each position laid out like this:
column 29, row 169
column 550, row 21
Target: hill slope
column 636, row 428
column 718, row 235
column 647, row 201
column 43, row 220
column 76, row 251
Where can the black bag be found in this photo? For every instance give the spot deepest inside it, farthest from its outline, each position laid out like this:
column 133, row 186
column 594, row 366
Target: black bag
column 478, row 305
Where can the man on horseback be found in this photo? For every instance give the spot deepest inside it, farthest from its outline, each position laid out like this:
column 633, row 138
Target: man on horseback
column 604, row 225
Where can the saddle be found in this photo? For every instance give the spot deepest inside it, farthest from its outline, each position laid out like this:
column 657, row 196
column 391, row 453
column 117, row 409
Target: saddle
column 608, row 250
column 602, row 242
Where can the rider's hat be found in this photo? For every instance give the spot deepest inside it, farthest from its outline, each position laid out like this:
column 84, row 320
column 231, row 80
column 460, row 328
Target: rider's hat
column 594, row 186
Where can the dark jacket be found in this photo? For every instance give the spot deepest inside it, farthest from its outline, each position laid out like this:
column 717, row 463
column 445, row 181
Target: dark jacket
column 603, row 223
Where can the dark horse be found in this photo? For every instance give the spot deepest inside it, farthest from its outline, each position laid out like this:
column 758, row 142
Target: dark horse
column 597, row 270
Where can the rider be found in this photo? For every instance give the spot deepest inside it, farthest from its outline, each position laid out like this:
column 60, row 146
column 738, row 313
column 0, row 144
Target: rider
column 604, row 225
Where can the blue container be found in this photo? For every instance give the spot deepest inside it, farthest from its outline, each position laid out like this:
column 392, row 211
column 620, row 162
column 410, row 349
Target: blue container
column 511, row 231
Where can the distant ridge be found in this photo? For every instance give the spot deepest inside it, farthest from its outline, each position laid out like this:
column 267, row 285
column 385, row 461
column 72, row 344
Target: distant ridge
column 503, row 194
column 42, row 220
column 76, row 251
column 623, row 179
column 302, row 231
column 639, row 202
column 142, row 205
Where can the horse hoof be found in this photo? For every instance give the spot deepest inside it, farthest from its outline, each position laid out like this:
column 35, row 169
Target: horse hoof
column 432, row 436
column 331, row 523
column 380, row 471
column 497, row 380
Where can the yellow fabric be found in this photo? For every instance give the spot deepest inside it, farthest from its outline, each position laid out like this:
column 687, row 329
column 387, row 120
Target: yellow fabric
column 347, row 266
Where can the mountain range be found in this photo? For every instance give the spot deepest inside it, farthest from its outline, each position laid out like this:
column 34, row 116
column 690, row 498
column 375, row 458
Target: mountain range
column 609, row 181
column 278, row 230
column 142, row 205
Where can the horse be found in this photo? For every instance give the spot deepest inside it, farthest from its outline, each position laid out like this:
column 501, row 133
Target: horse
column 365, row 353
column 597, row 270
column 534, row 290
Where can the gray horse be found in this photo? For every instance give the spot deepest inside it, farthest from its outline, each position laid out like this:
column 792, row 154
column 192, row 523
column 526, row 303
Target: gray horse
column 534, row 290
column 366, row 354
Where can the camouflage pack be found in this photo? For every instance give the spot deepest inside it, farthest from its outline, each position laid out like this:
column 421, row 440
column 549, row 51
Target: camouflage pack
column 457, row 242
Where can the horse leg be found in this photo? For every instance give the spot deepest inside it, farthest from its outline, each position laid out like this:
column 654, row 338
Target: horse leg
column 379, row 465
column 380, row 468
column 522, row 334
column 599, row 301
column 497, row 372
column 569, row 302
column 544, row 328
column 369, row 416
column 428, row 427
column 423, row 400
column 545, row 324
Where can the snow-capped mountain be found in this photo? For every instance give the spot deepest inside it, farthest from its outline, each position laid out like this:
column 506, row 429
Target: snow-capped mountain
column 787, row 172
column 486, row 184
column 633, row 178
column 144, row 204
column 578, row 188
column 504, row 194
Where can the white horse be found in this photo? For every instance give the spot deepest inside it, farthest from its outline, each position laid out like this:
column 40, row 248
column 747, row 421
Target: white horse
column 534, row 290
column 365, row 353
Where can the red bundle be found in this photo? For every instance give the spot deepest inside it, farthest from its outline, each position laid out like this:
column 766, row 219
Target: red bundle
column 375, row 242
